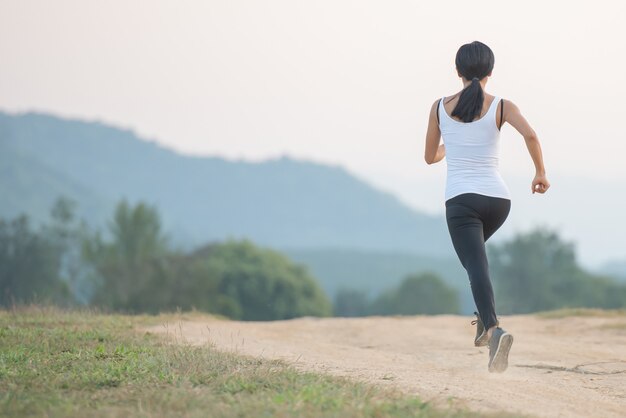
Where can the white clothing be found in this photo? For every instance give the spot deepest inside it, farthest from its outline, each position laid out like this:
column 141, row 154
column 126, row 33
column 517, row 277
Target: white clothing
column 472, row 154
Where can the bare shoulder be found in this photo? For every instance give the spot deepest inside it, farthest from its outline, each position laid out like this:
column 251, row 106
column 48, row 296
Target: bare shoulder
column 513, row 116
column 509, row 106
column 433, row 108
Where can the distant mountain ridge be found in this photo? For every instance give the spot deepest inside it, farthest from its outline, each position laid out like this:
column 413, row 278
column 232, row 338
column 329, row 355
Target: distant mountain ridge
column 283, row 203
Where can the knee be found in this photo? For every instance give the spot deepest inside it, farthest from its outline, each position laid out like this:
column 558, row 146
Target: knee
column 477, row 271
column 475, row 261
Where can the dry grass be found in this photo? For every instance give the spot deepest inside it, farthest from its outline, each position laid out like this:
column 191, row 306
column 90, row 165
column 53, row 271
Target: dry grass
column 584, row 312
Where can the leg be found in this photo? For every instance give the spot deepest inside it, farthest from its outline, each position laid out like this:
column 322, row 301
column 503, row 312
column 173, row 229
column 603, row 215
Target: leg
column 466, row 230
column 498, row 212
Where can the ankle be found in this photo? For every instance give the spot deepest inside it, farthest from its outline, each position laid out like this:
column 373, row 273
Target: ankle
column 490, row 331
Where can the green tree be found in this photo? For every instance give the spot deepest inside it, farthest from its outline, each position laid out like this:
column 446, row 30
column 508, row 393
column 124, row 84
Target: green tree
column 180, row 282
column 418, row 294
column 29, row 266
column 263, row 284
column 137, row 272
column 125, row 264
column 68, row 235
column 137, row 234
column 537, row 271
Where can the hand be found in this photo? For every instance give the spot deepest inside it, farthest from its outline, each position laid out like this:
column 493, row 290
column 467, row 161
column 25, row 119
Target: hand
column 540, row 184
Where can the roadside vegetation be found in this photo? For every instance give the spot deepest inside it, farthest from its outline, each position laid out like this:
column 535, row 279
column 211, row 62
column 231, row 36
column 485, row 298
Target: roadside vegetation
column 133, row 267
column 57, row 363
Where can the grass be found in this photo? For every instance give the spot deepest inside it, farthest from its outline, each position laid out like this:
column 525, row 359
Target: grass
column 620, row 326
column 57, row 363
column 584, row 312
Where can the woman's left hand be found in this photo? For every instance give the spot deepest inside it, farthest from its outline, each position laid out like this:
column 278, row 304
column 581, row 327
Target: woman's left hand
column 540, row 184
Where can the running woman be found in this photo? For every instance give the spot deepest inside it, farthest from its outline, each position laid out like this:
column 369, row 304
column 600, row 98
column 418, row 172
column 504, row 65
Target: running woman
column 477, row 199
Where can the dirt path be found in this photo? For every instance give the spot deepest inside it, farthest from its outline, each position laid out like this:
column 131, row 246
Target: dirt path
column 569, row 367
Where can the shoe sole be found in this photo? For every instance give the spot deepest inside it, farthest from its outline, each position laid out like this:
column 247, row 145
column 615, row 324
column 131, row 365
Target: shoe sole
column 500, row 360
column 482, row 340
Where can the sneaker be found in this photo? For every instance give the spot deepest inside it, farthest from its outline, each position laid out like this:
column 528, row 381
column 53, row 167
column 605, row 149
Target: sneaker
column 499, row 347
column 481, row 333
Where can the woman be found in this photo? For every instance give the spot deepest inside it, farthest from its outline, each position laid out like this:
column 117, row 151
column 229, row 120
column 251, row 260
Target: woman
column 477, row 199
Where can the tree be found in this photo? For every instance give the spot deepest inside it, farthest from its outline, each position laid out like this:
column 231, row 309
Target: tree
column 137, row 272
column 124, row 265
column 538, row 271
column 263, row 284
column 29, row 266
column 68, row 235
column 424, row 293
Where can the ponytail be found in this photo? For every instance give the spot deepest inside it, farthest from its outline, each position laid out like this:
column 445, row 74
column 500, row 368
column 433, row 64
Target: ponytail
column 470, row 103
column 474, row 61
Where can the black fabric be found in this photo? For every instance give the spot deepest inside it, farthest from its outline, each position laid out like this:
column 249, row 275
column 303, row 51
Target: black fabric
column 501, row 113
column 438, row 104
column 472, row 219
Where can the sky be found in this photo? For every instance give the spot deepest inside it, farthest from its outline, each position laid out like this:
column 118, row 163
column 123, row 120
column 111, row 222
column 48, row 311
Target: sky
column 343, row 82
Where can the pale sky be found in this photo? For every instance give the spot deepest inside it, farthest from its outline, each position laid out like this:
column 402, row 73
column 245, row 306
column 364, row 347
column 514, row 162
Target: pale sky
column 342, row 82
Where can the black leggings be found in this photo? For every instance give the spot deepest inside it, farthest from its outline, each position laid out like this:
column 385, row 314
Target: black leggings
column 473, row 218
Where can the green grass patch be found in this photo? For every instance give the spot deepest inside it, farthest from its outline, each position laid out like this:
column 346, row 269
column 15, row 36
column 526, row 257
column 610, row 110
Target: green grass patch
column 584, row 312
column 82, row 364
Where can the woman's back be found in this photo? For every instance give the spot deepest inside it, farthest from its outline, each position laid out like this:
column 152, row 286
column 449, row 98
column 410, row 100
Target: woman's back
column 472, row 150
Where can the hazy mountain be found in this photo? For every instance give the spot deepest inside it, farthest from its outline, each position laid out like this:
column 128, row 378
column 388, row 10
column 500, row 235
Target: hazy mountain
column 29, row 186
column 282, row 203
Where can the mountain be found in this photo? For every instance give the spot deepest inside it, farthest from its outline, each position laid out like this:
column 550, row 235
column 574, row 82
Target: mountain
column 283, row 203
column 29, row 186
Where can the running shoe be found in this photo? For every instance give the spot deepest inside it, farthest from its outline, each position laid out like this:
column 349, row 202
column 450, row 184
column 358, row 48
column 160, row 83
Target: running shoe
column 499, row 347
column 481, row 333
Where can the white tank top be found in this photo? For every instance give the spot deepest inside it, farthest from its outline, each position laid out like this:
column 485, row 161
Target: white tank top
column 472, row 154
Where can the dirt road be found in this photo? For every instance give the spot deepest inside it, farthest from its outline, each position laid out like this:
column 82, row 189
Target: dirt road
column 568, row 367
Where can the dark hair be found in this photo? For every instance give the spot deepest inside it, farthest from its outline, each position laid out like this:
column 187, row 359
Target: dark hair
column 474, row 62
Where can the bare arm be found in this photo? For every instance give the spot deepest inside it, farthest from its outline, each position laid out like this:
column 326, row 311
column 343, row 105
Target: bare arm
column 513, row 116
column 434, row 152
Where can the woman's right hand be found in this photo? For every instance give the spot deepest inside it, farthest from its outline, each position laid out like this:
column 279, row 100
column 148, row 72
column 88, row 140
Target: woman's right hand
column 540, row 184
